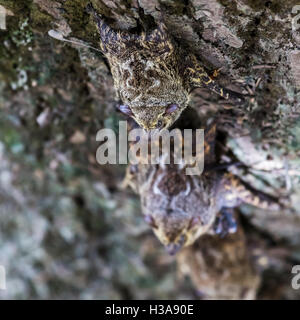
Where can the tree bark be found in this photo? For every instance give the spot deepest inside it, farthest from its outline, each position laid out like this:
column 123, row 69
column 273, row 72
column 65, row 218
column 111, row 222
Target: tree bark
column 68, row 230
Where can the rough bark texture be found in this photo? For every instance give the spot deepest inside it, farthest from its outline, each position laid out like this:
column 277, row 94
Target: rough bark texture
column 67, row 230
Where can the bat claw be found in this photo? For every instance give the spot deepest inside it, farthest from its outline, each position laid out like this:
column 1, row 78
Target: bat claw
column 225, row 223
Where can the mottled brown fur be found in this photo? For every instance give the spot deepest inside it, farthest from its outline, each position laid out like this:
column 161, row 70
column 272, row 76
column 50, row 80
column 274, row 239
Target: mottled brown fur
column 151, row 72
column 220, row 268
column 180, row 208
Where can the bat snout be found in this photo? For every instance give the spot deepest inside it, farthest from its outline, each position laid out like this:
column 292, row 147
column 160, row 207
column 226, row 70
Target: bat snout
column 173, row 248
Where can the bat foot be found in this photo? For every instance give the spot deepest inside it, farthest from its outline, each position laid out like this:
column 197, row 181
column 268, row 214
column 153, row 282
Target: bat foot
column 225, row 223
column 216, row 73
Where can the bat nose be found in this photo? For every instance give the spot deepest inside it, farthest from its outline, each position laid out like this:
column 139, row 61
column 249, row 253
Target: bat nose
column 151, row 125
column 173, row 248
column 150, row 128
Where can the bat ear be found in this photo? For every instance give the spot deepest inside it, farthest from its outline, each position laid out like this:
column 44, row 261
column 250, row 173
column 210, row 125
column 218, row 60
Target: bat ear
column 126, row 110
column 150, row 220
column 194, row 222
column 171, row 108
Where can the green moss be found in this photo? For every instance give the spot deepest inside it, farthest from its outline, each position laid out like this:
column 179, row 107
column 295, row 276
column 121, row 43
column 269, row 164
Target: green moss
column 15, row 54
column 79, row 20
column 40, row 20
column 11, row 139
column 23, row 35
column 20, row 8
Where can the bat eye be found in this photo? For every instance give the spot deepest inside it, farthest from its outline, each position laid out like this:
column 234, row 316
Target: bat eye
column 159, row 124
column 150, row 220
column 126, row 110
column 171, row 108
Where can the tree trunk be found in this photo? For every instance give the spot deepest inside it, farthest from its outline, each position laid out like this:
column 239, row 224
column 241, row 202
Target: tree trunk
column 67, row 229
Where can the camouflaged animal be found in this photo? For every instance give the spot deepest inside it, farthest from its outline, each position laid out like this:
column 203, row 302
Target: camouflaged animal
column 220, row 268
column 180, row 208
column 153, row 77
